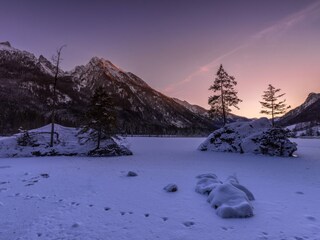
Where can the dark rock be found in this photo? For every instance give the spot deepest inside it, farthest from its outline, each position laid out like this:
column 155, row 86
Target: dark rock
column 171, row 188
column 131, row 174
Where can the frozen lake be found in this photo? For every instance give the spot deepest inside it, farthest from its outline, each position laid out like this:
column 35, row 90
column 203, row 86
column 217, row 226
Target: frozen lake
column 91, row 198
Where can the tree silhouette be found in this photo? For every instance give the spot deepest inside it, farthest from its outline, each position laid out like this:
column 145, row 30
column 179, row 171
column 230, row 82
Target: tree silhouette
column 271, row 104
column 225, row 98
column 56, row 60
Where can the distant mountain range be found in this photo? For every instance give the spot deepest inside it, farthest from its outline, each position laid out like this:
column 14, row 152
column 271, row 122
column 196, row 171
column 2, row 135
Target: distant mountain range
column 26, row 96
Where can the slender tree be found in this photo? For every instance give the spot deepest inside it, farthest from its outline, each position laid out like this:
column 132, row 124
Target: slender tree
column 226, row 96
column 100, row 116
column 271, row 104
column 56, row 60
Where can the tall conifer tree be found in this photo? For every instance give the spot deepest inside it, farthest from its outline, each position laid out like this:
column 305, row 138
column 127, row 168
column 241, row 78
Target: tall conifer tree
column 100, row 116
column 271, row 104
column 225, row 97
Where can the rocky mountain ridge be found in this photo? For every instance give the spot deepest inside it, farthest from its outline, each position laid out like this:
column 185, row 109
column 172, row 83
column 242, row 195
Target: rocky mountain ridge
column 26, row 91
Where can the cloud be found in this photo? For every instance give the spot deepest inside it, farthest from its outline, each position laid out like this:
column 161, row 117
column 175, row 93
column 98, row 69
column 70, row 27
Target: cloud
column 281, row 26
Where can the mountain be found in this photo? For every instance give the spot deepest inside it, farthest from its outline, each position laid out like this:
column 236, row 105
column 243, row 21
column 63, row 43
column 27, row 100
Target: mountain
column 304, row 120
column 141, row 109
column 26, row 97
column 309, row 111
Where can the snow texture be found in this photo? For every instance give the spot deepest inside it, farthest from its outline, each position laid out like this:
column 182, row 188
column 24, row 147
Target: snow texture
column 67, row 142
column 256, row 136
column 230, row 199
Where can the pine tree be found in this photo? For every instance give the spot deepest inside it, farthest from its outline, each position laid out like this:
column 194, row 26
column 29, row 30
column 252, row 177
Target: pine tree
column 100, row 116
column 271, row 104
column 226, row 97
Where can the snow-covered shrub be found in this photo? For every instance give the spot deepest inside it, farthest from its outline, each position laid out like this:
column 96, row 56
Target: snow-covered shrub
column 275, row 142
column 25, row 139
column 257, row 136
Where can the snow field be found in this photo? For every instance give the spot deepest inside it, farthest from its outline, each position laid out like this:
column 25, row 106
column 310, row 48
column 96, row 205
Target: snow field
column 92, row 198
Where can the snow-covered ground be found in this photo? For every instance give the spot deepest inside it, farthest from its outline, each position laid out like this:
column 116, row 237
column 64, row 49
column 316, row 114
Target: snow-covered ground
column 92, row 198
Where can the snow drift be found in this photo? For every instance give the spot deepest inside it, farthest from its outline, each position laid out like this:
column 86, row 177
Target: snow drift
column 67, row 142
column 257, row 136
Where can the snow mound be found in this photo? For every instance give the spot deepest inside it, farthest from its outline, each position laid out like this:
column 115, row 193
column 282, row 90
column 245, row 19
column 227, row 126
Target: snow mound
column 230, row 199
column 257, row 136
column 206, row 183
column 67, row 142
column 230, row 202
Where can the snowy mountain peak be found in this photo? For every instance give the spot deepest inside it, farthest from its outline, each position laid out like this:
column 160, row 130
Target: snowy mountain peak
column 104, row 64
column 312, row 97
column 306, row 112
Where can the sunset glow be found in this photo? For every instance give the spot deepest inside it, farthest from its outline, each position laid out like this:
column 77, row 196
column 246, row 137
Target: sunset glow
column 177, row 46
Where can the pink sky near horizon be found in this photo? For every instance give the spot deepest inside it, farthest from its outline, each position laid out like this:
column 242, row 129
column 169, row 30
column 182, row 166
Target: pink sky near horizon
column 285, row 54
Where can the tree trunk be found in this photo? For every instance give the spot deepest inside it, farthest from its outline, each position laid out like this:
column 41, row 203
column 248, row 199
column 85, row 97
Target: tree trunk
column 223, row 106
column 54, row 98
column 99, row 138
column 53, row 107
column 272, row 113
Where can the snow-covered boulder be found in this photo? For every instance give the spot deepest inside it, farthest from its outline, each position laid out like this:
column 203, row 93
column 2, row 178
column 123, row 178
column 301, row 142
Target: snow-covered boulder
column 230, row 202
column 257, row 136
column 230, row 199
column 67, row 142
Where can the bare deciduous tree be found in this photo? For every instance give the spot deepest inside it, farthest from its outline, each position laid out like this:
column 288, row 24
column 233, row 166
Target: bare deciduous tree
column 56, row 59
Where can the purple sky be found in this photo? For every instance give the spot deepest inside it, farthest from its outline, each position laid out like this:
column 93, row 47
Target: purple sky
column 176, row 46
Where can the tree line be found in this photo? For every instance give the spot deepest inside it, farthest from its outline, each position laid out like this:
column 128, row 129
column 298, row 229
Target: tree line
column 226, row 97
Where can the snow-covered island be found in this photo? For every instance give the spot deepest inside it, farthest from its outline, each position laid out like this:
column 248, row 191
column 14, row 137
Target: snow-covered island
column 256, row 136
column 67, row 142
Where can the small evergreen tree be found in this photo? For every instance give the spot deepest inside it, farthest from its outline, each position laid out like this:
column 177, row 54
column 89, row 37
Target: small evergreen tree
column 100, row 116
column 271, row 104
column 225, row 98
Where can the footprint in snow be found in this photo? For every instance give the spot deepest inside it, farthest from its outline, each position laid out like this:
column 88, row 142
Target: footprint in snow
column 122, row 213
column 107, row 208
column 311, row 218
column 164, row 219
column 227, row 228
column 3, row 167
column 299, row 192
column 75, row 204
column 188, row 223
column 146, row 214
